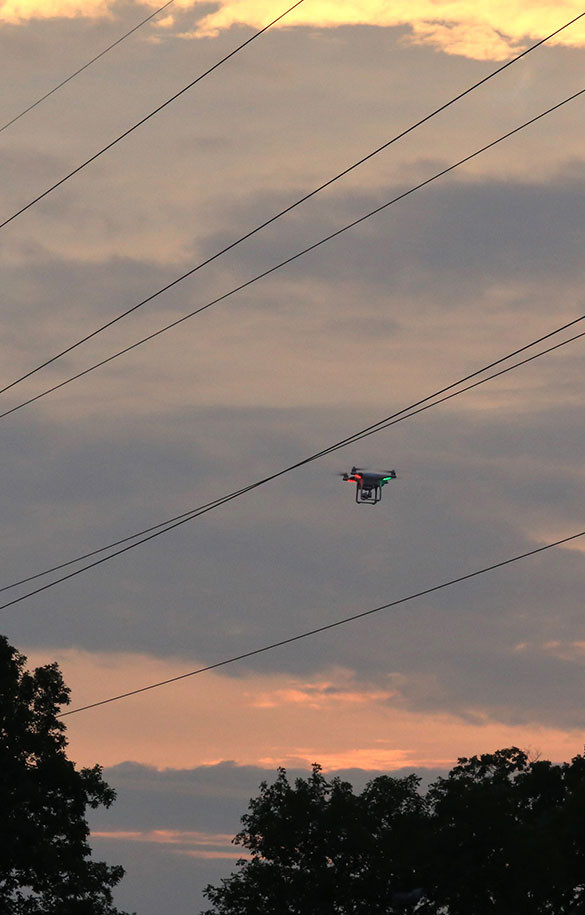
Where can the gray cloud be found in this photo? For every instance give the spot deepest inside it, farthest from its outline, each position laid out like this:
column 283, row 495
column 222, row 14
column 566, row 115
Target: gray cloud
column 471, row 505
column 206, row 798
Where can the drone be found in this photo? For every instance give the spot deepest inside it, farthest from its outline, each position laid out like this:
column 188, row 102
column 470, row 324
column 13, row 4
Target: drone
column 368, row 483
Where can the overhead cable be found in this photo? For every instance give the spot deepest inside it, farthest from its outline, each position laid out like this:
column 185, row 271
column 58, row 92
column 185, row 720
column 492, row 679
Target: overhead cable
column 147, row 117
column 288, row 260
column 85, row 66
column 287, row 209
column 166, row 526
column 326, row 628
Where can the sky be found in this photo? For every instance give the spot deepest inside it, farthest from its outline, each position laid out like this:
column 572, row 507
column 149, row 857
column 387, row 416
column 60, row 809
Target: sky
column 451, row 278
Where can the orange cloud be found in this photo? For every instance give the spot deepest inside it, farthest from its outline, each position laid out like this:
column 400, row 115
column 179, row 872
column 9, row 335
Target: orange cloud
column 321, row 694
column 480, row 29
column 212, row 718
column 370, row 757
column 169, row 836
column 567, row 651
column 21, row 10
column 184, row 842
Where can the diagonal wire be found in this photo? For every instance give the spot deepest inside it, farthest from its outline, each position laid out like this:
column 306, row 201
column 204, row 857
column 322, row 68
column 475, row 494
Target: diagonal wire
column 326, row 628
column 152, row 533
column 289, row 208
column 292, row 258
column 85, row 66
column 149, row 116
column 356, row 436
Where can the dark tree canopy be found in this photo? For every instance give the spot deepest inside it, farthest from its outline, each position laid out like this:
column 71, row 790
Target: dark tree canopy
column 45, row 859
column 316, row 846
column 509, row 836
column 501, row 835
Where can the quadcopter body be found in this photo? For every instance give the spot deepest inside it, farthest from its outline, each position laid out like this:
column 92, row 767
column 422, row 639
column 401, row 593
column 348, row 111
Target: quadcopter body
column 368, row 483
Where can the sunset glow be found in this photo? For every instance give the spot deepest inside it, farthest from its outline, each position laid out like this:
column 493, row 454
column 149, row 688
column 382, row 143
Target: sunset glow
column 488, row 30
column 271, row 721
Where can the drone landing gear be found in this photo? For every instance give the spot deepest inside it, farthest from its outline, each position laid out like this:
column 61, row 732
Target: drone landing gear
column 370, row 496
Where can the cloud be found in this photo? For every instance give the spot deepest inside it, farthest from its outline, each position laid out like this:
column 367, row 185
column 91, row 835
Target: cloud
column 412, row 728
column 368, row 758
column 171, row 829
column 565, row 650
column 482, row 31
column 206, row 846
column 322, row 694
column 17, row 11
column 501, row 482
column 486, row 30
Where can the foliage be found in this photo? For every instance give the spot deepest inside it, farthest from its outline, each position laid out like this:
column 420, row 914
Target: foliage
column 45, row 866
column 500, row 834
column 318, row 848
column 509, row 836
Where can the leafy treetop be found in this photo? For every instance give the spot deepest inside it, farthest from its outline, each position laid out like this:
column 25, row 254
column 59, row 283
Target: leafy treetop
column 500, row 835
column 45, row 858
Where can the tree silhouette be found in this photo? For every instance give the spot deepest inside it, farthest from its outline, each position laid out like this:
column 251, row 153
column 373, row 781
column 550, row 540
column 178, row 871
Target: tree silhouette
column 509, row 836
column 45, row 859
column 318, row 848
column 500, row 835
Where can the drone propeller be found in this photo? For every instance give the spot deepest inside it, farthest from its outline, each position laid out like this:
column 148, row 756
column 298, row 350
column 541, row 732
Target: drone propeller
column 373, row 470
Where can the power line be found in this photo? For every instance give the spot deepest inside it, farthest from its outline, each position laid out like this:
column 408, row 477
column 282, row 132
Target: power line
column 286, row 261
column 289, row 208
column 143, row 120
column 406, row 413
column 325, row 628
column 85, row 66
column 354, row 437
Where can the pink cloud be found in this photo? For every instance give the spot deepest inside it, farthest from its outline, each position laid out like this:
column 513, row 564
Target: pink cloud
column 184, row 842
column 322, row 694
